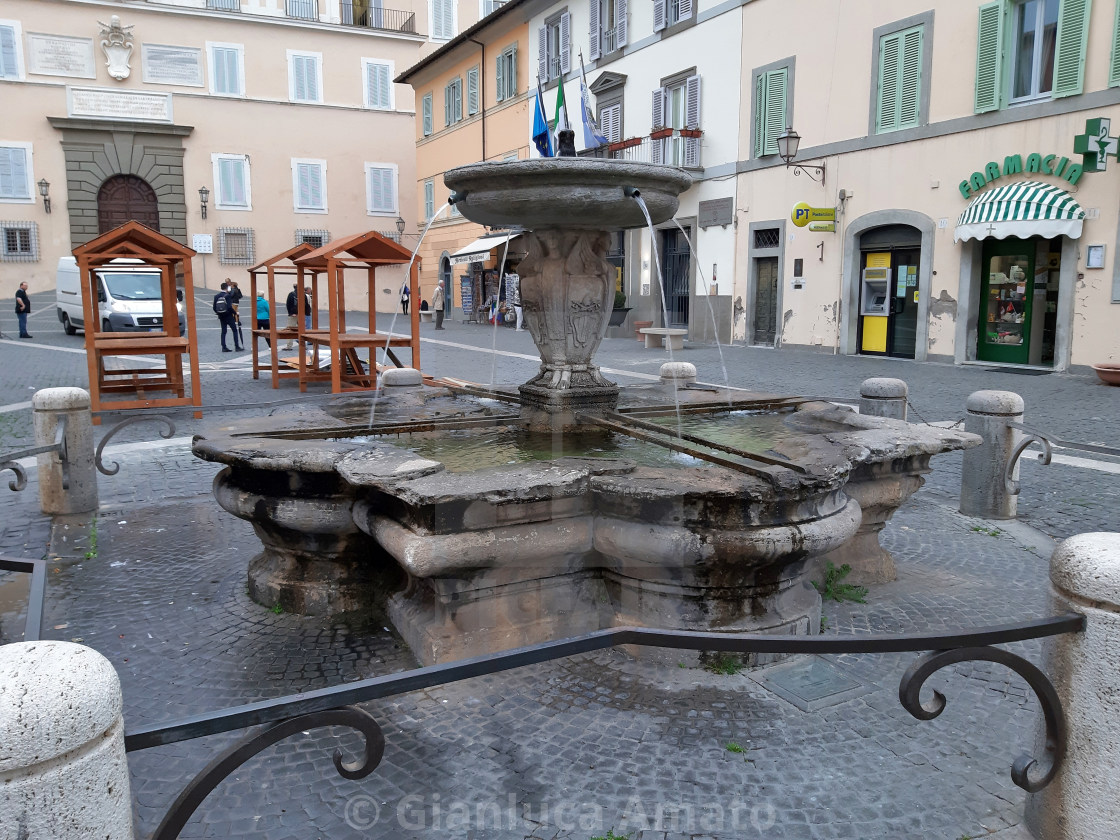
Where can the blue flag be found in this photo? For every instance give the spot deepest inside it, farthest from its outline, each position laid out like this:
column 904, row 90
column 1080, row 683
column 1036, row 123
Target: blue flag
column 542, row 138
column 592, row 136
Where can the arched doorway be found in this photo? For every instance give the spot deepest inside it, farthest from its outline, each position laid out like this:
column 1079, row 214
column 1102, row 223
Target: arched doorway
column 123, row 198
column 888, row 293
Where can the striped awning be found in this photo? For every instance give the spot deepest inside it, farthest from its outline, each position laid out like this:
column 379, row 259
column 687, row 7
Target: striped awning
column 1029, row 208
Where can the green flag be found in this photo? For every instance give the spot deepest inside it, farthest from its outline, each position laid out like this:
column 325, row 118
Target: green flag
column 561, row 111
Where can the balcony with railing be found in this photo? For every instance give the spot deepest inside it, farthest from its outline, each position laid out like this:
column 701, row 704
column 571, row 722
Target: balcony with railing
column 609, row 41
column 302, row 9
column 667, row 146
column 224, row 5
column 363, row 14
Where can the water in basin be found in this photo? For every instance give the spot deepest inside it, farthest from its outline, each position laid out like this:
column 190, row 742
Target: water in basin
column 473, row 449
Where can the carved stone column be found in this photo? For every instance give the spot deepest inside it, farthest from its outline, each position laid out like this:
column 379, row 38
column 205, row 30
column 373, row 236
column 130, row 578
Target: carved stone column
column 567, row 295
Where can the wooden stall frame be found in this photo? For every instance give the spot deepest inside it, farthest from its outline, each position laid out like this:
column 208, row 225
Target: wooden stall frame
column 280, row 265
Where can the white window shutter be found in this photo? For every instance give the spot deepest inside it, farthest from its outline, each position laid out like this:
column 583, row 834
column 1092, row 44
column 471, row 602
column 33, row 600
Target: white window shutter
column 620, row 12
column 375, row 197
column 218, row 67
column 313, row 79
column 658, row 108
column 472, row 91
column 692, row 102
column 303, row 182
column 8, row 68
column 595, row 47
column 565, row 43
column 299, row 78
column 389, row 188
column 542, row 54
column 685, row 10
column 611, row 123
column 232, row 72
column 13, row 173
column 658, row 15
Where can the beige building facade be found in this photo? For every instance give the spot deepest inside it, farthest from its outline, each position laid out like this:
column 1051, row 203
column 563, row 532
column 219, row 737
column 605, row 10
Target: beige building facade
column 236, row 128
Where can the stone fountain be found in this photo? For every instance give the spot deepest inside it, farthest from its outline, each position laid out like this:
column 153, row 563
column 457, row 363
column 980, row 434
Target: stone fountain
column 647, row 524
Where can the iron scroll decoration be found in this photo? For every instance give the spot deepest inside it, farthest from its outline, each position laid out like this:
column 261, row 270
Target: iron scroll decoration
column 228, row 761
column 1056, row 736
column 115, row 468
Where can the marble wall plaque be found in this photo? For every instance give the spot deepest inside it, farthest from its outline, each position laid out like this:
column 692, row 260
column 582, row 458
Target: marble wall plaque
column 119, row 104
column 56, row 55
column 165, row 65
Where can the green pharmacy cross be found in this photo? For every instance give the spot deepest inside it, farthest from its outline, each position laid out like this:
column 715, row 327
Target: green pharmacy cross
column 1095, row 145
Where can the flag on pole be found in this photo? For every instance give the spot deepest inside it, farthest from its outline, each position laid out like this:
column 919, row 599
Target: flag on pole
column 561, row 110
column 592, row 137
column 541, row 136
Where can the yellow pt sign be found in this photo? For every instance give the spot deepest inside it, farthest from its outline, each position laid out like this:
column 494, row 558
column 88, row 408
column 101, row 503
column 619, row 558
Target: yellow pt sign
column 803, row 214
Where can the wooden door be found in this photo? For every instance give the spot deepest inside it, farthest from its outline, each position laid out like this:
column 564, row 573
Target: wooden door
column 123, row 198
column 766, row 300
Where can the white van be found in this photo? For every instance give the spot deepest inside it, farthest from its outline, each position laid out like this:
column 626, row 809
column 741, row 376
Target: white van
column 128, row 295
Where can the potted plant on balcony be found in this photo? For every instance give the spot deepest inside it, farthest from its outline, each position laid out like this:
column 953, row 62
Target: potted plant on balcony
column 660, row 133
column 618, row 314
column 691, row 132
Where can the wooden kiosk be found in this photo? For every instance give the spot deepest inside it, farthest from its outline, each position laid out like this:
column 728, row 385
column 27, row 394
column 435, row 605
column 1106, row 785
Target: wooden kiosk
column 362, row 251
column 281, row 265
column 133, row 240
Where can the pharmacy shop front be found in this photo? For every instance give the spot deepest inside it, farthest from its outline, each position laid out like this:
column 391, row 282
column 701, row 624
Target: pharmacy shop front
column 1018, row 275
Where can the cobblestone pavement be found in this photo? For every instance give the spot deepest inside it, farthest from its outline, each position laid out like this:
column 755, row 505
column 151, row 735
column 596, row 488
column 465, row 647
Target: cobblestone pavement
column 573, row 748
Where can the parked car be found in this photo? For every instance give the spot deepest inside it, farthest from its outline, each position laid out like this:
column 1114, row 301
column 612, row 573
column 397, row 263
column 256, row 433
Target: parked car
column 129, row 298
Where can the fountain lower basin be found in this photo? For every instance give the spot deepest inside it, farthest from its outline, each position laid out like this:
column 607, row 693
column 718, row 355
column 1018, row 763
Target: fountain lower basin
column 475, row 561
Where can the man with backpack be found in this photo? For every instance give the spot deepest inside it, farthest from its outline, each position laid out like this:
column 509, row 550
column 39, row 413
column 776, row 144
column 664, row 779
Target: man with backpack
column 223, row 308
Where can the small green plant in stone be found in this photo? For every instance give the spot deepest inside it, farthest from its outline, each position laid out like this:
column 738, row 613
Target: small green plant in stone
column 723, row 663
column 991, row 532
column 92, row 539
column 824, row 623
column 833, row 590
column 735, row 748
column 610, row 835
column 276, row 609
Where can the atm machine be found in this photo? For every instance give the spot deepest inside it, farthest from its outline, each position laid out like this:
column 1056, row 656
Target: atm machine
column 874, row 309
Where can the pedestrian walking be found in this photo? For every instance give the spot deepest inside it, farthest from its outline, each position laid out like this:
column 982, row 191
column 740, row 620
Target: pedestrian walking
column 23, row 309
column 235, row 296
column 406, row 293
column 263, row 320
column 513, row 297
column 437, row 305
column 223, row 308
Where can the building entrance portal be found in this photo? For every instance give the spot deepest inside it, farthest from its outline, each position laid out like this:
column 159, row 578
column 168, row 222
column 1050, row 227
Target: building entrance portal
column 124, row 198
column 889, row 291
column 1018, row 301
column 675, row 263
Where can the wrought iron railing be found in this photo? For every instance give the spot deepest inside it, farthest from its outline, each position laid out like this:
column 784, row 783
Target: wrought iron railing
column 393, row 20
column 609, row 42
column 224, row 5
column 33, row 625
column 669, row 150
column 286, row 716
column 303, row 9
column 10, row 460
column 1046, row 441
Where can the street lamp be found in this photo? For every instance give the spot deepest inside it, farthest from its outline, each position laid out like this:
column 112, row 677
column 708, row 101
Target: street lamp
column 400, row 228
column 788, row 141
column 44, row 191
column 203, row 196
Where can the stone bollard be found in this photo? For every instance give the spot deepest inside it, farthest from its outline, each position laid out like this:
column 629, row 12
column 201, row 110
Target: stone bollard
column 402, row 378
column 678, row 374
column 48, row 405
column 63, row 772
column 983, row 485
column 1081, row 802
column 883, row 397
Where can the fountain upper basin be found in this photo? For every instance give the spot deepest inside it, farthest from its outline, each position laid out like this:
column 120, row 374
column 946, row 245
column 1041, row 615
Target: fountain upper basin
column 572, row 193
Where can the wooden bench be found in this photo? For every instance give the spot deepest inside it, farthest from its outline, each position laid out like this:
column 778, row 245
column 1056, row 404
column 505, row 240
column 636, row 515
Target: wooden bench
column 655, row 337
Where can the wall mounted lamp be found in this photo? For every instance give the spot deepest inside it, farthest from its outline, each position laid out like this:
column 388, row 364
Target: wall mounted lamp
column 203, row 197
column 45, row 192
column 788, row 141
column 400, row 226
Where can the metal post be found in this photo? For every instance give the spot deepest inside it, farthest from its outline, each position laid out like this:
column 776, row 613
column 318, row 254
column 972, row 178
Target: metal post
column 63, row 771
column 1081, row 803
column 984, row 490
column 883, row 397
column 68, row 478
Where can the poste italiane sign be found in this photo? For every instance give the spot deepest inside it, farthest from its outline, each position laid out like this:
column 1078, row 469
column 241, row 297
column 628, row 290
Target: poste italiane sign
column 803, row 214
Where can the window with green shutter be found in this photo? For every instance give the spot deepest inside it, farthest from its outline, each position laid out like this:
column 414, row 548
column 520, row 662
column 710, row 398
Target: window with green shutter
column 770, row 110
column 472, row 91
column 900, row 80
column 989, row 57
column 1069, row 63
column 426, row 110
column 1114, row 60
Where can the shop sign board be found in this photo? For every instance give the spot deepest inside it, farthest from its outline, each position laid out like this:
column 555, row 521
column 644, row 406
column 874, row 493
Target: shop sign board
column 823, row 227
column 803, row 214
